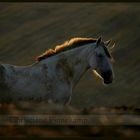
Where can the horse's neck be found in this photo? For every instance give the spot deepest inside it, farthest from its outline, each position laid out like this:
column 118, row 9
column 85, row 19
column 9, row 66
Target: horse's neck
column 74, row 63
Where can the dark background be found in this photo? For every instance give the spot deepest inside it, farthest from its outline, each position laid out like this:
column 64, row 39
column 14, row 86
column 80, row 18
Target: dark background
column 29, row 29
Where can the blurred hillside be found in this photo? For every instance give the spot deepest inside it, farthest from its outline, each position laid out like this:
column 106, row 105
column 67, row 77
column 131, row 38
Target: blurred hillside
column 28, row 29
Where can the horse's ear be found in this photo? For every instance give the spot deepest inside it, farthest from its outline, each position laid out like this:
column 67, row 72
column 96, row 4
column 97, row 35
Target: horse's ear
column 98, row 41
column 107, row 42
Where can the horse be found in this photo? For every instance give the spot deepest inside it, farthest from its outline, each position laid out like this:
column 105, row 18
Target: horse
column 56, row 72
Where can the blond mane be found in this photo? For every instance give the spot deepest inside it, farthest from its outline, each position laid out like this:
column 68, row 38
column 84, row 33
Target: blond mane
column 67, row 45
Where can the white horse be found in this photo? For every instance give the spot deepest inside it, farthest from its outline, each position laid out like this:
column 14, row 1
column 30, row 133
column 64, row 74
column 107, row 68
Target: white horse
column 56, row 72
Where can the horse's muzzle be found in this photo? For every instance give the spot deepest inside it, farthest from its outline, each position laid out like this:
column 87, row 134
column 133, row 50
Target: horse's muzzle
column 108, row 77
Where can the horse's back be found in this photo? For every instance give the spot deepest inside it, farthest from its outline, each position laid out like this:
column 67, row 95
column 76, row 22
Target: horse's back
column 21, row 83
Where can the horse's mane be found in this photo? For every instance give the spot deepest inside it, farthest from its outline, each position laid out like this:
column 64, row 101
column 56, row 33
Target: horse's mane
column 67, row 45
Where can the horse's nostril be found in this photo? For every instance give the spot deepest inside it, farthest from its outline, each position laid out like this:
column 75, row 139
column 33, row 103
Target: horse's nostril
column 106, row 74
column 109, row 72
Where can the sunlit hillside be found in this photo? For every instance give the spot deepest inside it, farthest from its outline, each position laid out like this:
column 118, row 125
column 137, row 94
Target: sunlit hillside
column 28, row 29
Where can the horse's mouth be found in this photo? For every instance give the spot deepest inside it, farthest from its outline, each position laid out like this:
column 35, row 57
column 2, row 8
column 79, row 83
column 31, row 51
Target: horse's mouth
column 107, row 77
column 107, row 81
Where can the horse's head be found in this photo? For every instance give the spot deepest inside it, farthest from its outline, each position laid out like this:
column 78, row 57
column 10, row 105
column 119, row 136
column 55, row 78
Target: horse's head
column 101, row 61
